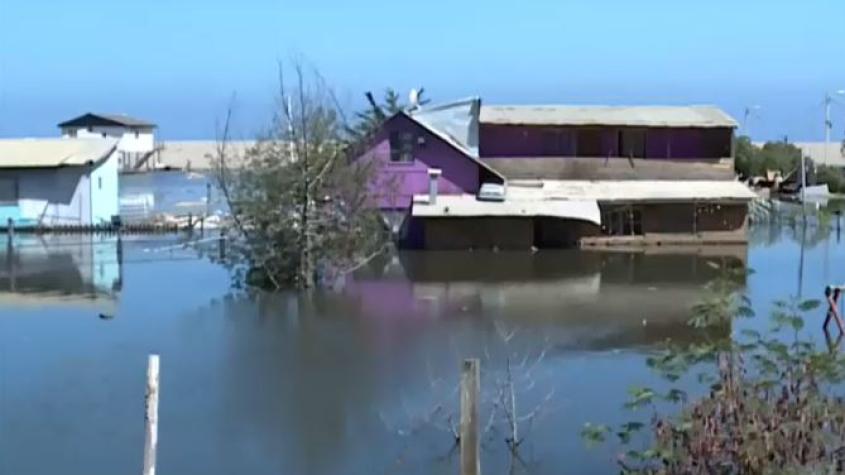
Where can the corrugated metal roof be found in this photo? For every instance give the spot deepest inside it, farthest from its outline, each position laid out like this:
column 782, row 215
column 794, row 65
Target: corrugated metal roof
column 455, row 143
column 469, row 206
column 633, row 116
column 48, row 153
column 630, row 190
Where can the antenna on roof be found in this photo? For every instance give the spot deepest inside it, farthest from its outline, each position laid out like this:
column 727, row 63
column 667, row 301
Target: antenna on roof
column 414, row 99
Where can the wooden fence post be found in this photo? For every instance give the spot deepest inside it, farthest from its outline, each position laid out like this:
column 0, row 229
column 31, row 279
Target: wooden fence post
column 470, row 388
column 151, row 416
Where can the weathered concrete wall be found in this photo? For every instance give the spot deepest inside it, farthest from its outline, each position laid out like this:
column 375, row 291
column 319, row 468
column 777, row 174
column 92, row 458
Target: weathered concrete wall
column 561, row 233
column 686, row 217
column 478, row 233
column 578, row 168
column 545, row 141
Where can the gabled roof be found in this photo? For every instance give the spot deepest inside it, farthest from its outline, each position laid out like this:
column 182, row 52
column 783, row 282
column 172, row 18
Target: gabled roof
column 632, row 116
column 51, row 153
column 453, row 142
column 119, row 120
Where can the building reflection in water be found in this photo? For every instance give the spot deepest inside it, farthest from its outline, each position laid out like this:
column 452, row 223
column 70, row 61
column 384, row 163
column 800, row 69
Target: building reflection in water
column 595, row 299
column 61, row 270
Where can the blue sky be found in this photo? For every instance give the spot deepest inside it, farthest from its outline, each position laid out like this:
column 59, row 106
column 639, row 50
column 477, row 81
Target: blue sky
column 177, row 62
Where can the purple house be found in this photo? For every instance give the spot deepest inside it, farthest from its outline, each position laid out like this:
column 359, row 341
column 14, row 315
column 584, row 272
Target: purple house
column 568, row 175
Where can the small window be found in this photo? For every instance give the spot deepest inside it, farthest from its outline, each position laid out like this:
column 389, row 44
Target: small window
column 401, row 147
column 99, row 183
column 71, row 133
column 8, row 192
column 623, row 221
column 137, row 134
column 90, row 129
column 103, row 134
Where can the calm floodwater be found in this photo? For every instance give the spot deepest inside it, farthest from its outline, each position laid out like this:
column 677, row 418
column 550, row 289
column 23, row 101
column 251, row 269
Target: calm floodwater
column 341, row 382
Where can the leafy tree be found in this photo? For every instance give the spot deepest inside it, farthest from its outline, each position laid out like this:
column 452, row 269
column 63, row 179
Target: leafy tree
column 771, row 403
column 751, row 160
column 369, row 121
column 301, row 210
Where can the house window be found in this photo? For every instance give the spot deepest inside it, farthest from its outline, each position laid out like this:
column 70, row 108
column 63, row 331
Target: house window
column 589, row 143
column 8, row 192
column 623, row 221
column 401, row 147
column 71, row 133
column 632, row 143
column 137, row 134
column 90, row 129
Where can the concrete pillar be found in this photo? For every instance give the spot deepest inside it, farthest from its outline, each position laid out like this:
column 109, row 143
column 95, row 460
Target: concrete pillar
column 433, row 176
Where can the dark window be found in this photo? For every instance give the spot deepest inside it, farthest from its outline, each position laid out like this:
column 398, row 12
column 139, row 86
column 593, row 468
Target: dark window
column 589, row 143
column 401, row 147
column 623, row 221
column 103, row 134
column 632, row 143
column 71, row 133
column 137, row 134
column 90, row 129
column 8, row 191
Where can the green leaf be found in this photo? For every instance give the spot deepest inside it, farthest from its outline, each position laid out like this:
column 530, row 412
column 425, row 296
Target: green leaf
column 808, row 305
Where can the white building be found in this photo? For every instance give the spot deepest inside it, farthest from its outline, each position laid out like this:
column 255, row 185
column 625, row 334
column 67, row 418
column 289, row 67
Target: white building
column 58, row 182
column 136, row 146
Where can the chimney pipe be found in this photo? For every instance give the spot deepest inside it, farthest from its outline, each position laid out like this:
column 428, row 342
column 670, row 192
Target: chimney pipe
column 433, row 176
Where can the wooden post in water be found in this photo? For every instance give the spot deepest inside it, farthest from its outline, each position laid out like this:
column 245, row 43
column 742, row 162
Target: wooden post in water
column 10, row 229
column 151, row 416
column 470, row 388
column 190, row 222
column 222, row 245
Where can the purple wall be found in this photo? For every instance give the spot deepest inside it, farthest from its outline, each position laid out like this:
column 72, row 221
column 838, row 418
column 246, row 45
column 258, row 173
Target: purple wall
column 395, row 184
column 536, row 141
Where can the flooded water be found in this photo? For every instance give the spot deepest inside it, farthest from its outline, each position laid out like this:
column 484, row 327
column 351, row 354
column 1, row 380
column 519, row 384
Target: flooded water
column 356, row 381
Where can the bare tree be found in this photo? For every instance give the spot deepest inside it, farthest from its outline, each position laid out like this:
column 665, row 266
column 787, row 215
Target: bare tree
column 301, row 206
column 511, row 402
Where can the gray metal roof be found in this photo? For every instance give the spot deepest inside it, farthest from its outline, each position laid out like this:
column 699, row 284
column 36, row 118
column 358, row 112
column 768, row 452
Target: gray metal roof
column 107, row 119
column 48, row 153
column 632, row 116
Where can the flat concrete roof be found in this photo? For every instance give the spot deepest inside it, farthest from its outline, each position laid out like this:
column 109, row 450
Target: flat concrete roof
column 465, row 206
column 628, row 116
column 630, row 190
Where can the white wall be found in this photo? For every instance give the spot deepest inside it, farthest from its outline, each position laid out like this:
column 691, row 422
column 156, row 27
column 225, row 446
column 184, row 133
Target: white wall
column 141, row 142
column 53, row 196
column 105, row 191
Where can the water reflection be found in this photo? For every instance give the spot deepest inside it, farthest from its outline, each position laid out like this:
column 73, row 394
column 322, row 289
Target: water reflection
column 589, row 299
column 61, row 270
column 318, row 383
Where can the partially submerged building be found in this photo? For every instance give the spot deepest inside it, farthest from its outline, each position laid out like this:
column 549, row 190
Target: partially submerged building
column 58, row 182
column 559, row 175
column 136, row 144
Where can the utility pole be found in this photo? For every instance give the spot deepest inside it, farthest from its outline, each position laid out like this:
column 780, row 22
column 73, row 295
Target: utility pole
column 828, row 123
column 749, row 110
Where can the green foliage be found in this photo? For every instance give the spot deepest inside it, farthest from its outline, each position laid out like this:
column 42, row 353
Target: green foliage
column 751, row 160
column 771, row 406
column 368, row 121
column 301, row 209
column 834, row 177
